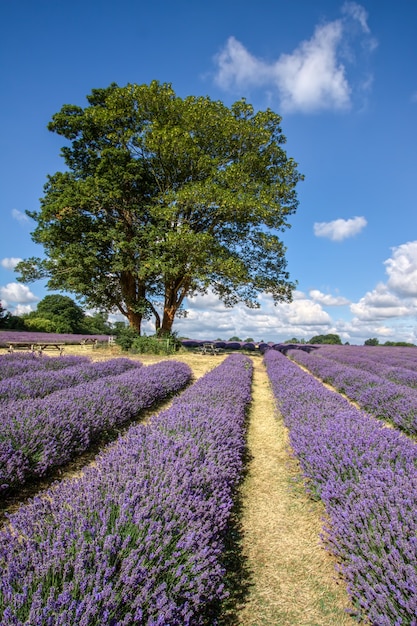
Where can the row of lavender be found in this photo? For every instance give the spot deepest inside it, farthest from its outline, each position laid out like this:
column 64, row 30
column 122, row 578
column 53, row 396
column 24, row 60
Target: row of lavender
column 39, row 382
column 139, row 538
column 394, row 363
column 7, row 336
column 366, row 475
column 376, row 394
column 22, row 362
column 39, row 434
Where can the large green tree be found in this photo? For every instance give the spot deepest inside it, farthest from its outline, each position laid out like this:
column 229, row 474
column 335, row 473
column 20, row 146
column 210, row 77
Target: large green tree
column 162, row 198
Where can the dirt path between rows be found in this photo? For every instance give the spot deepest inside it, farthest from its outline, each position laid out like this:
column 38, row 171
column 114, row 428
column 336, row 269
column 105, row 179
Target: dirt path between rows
column 292, row 578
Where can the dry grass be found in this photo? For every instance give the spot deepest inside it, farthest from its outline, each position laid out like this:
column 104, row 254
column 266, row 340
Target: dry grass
column 280, row 574
column 291, row 579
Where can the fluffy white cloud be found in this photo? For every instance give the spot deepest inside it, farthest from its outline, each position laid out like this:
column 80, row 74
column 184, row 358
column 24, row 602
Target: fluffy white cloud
column 326, row 299
column 10, row 262
column 379, row 304
column 402, row 270
column 21, row 309
column 340, row 229
column 17, row 293
column 311, row 78
column 209, row 318
column 237, row 67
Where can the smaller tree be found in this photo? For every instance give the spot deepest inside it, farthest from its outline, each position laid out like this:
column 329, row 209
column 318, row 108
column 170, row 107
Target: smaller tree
column 330, row 338
column 371, row 342
column 57, row 313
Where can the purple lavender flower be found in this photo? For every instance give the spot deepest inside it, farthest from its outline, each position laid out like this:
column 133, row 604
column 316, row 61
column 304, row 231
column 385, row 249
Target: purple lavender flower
column 39, row 434
column 139, row 537
column 366, row 475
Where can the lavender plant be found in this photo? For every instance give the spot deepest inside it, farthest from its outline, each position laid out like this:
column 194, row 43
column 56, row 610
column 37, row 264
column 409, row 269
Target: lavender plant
column 19, row 363
column 137, row 539
column 396, row 364
column 366, row 475
column 382, row 398
column 39, row 434
column 38, row 383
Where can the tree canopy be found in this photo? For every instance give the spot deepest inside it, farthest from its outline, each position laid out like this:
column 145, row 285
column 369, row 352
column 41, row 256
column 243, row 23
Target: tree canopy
column 162, row 198
column 59, row 314
column 331, row 338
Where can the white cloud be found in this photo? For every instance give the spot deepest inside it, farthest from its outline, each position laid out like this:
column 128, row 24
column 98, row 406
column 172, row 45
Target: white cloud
column 17, row 293
column 381, row 303
column 21, row 309
column 340, row 229
column 19, row 216
column 237, row 67
column 302, row 317
column 402, row 270
column 312, row 77
column 309, row 79
column 326, row 299
column 10, row 262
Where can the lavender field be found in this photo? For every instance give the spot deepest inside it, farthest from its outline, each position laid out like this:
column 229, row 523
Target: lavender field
column 383, row 381
column 366, row 475
column 140, row 537
column 61, row 415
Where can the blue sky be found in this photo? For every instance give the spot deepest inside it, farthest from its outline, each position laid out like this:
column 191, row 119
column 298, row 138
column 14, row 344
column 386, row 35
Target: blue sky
column 341, row 74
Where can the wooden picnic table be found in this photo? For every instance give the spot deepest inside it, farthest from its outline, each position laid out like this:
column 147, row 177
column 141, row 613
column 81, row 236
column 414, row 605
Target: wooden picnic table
column 38, row 347
column 208, row 348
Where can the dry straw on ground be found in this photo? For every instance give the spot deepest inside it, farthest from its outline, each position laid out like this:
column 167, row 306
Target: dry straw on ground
column 292, row 579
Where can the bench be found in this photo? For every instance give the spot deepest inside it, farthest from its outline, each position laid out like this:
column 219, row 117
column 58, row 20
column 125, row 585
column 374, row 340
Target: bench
column 89, row 340
column 208, row 348
column 35, row 348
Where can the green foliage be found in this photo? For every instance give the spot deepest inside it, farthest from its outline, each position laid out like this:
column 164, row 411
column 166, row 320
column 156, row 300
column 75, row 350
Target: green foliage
column 164, row 197
column 234, row 338
column 4, row 315
column 404, row 344
column 57, row 314
column 330, row 338
column 130, row 341
column 125, row 337
column 40, row 324
column 14, row 322
column 371, row 342
column 154, row 345
column 97, row 324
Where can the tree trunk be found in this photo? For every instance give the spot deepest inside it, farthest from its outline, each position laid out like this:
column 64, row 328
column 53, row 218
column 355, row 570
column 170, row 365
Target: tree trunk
column 133, row 292
column 174, row 295
column 135, row 320
column 168, row 319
